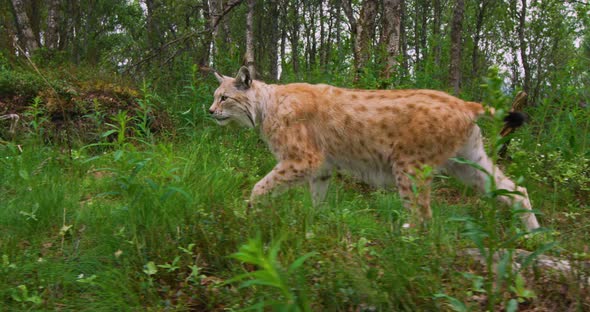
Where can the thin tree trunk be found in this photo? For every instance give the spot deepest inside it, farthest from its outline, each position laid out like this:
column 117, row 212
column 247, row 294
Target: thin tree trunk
column 391, row 34
column 417, row 48
column 523, row 48
column 66, row 27
column 76, row 30
column 338, row 30
column 423, row 30
column 436, row 32
column 51, row 36
column 478, row 26
column 274, row 40
column 456, row 31
column 27, row 37
column 310, row 31
column 295, row 39
column 215, row 9
column 283, row 49
column 203, row 54
column 322, row 35
column 332, row 19
column 250, row 39
column 404, row 39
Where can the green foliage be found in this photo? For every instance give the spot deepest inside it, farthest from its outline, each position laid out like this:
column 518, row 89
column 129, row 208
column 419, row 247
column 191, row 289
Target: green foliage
column 20, row 82
column 271, row 275
column 136, row 219
column 496, row 250
column 37, row 116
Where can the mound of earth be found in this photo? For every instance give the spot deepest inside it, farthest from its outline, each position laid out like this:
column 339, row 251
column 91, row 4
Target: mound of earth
column 83, row 111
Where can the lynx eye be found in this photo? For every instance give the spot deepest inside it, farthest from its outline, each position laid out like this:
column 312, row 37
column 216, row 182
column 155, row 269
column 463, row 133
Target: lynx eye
column 223, row 98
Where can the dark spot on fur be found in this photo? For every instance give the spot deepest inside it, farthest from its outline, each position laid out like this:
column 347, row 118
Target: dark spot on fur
column 361, row 108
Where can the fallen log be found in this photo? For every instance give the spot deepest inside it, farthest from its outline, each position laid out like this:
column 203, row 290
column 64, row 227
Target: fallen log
column 579, row 269
column 14, row 117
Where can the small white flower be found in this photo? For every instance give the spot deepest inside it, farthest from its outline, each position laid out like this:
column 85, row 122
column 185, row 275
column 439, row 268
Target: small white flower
column 81, row 276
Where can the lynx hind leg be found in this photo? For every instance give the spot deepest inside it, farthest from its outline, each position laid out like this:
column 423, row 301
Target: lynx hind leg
column 474, row 151
column 414, row 191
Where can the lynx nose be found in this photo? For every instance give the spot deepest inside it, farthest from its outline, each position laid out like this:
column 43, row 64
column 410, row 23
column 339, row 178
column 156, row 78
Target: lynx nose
column 211, row 111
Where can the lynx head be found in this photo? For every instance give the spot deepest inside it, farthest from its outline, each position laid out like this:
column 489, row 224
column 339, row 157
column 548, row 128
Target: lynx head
column 232, row 100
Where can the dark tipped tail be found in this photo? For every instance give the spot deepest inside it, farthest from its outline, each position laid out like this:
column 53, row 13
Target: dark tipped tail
column 514, row 120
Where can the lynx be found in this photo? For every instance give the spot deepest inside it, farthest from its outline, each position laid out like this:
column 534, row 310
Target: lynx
column 383, row 137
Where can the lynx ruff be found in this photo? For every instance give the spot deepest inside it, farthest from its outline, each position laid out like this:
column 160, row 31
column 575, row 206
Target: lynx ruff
column 380, row 136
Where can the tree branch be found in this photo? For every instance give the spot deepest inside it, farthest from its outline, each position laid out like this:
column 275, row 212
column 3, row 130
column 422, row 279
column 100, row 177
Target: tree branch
column 215, row 20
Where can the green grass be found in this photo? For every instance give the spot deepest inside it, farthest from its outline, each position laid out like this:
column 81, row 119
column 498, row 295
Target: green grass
column 153, row 226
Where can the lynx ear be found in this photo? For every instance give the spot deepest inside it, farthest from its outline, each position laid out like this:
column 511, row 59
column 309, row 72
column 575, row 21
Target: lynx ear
column 243, row 80
column 219, row 77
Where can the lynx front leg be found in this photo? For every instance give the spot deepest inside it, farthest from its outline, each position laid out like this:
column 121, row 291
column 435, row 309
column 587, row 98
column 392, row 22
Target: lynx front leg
column 299, row 160
column 285, row 174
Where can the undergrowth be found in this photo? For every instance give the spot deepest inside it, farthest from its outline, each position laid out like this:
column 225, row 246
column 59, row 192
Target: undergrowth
column 136, row 220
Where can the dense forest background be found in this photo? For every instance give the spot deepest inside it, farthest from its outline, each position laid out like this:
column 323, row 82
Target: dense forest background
column 423, row 43
column 118, row 192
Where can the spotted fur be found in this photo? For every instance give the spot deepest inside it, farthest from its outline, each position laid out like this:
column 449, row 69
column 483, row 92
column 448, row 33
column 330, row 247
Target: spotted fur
column 383, row 137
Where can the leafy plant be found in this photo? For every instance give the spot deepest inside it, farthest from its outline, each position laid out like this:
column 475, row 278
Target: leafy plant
column 145, row 112
column 119, row 127
column 271, row 274
column 21, row 294
column 38, row 117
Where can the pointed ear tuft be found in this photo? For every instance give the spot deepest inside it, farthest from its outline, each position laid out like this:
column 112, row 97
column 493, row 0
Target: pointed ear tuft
column 219, row 76
column 243, row 80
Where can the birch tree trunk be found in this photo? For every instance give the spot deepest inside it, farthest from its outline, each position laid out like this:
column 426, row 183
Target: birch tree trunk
column 391, row 34
column 274, row 40
column 23, row 24
column 215, row 9
column 456, row 31
column 249, row 58
column 523, row 48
